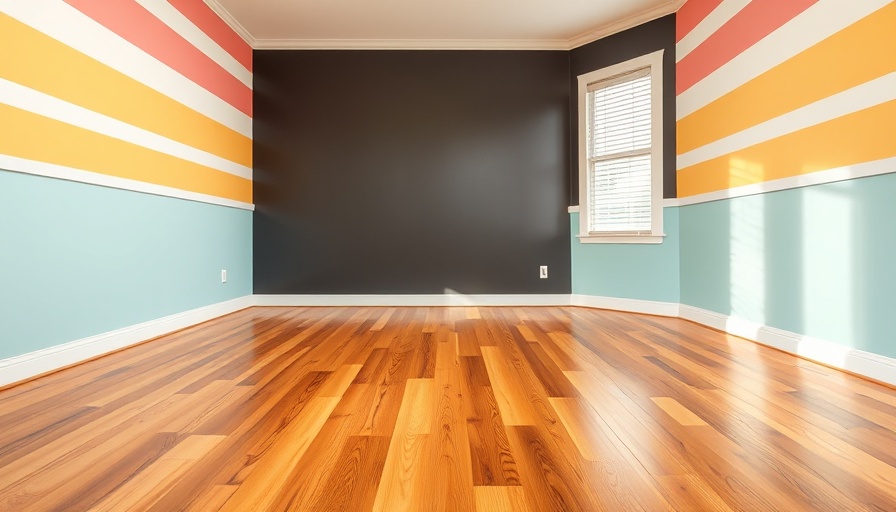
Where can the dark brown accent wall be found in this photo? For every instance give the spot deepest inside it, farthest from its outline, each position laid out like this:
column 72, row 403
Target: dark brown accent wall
column 385, row 172
column 656, row 35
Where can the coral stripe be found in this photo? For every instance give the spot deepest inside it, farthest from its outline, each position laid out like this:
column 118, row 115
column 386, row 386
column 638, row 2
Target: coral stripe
column 836, row 143
column 691, row 14
column 209, row 22
column 802, row 80
column 132, row 22
column 749, row 26
column 71, row 76
column 30, row 136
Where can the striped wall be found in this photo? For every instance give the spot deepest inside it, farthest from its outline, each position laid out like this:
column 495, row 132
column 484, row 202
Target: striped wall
column 125, row 172
column 141, row 95
column 770, row 93
column 786, row 149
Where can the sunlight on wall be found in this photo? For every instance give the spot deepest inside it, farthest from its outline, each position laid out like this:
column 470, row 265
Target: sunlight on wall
column 828, row 268
column 747, row 259
column 742, row 172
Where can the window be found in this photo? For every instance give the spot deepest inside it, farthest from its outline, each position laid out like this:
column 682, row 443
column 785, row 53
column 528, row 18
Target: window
column 621, row 152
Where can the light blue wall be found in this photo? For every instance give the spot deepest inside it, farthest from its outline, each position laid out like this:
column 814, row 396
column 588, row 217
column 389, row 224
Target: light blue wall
column 630, row 271
column 818, row 260
column 78, row 260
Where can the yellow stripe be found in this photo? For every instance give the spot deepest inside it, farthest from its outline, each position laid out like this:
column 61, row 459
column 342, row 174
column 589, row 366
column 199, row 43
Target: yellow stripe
column 40, row 62
column 27, row 135
column 853, row 56
column 863, row 136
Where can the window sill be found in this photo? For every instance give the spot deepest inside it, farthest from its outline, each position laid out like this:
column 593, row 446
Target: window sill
column 621, row 239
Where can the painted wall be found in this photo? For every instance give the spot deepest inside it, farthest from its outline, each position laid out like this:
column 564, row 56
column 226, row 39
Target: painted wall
column 786, row 122
column 125, row 166
column 420, row 172
column 631, row 271
column 87, row 259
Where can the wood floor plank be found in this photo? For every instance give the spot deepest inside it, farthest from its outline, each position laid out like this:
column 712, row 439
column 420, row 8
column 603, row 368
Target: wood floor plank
column 140, row 493
column 688, row 492
column 550, row 477
column 264, row 484
column 678, row 412
column 630, row 485
column 490, row 455
column 449, row 481
column 383, row 319
column 515, row 406
column 401, row 483
column 500, row 499
column 447, row 409
column 214, row 499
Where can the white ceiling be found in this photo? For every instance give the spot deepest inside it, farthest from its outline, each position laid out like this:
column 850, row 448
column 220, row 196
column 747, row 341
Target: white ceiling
column 509, row 24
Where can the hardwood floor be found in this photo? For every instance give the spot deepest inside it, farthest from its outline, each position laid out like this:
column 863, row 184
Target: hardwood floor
column 454, row 409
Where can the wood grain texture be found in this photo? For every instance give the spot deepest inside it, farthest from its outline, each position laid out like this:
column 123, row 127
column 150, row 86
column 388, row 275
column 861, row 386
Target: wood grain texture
column 500, row 499
column 447, row 409
column 678, row 412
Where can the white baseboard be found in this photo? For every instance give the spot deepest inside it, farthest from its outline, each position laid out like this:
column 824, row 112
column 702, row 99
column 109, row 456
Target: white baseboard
column 25, row 366
column 874, row 366
column 628, row 305
column 413, row 300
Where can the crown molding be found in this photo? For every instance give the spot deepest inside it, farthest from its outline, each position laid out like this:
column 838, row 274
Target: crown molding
column 228, row 18
column 625, row 24
column 446, row 44
column 411, row 44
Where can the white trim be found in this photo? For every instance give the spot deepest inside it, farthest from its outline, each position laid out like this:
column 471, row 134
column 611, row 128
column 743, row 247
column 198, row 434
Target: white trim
column 411, row 44
column 32, row 364
column 815, row 24
column 671, row 202
column 875, row 366
column 655, row 61
column 624, row 24
column 42, row 104
column 25, row 166
column 228, row 18
column 447, row 299
column 861, row 97
column 648, row 307
column 185, row 28
column 447, row 44
column 621, row 239
column 863, row 170
column 708, row 26
column 72, row 28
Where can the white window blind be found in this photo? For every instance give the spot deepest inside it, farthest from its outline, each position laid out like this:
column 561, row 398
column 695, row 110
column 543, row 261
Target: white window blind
column 619, row 154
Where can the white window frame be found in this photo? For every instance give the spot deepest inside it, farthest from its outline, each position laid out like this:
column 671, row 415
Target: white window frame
column 655, row 236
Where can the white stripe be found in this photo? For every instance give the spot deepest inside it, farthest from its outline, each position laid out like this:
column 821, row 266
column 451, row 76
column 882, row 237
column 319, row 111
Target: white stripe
column 708, row 26
column 815, row 24
column 852, row 100
column 45, row 105
column 863, row 170
column 71, row 27
column 169, row 15
column 61, row 172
